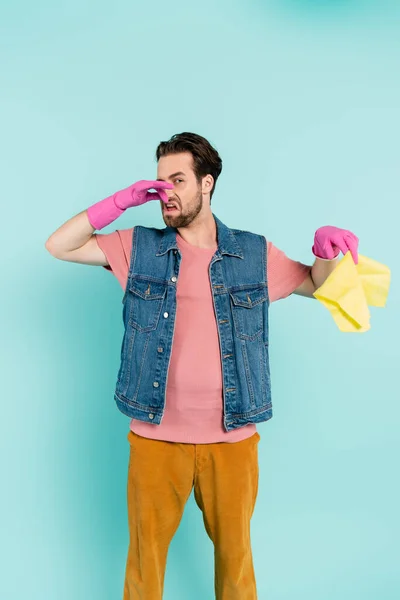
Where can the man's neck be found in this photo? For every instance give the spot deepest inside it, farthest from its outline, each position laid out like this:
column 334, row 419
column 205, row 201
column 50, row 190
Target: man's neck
column 201, row 232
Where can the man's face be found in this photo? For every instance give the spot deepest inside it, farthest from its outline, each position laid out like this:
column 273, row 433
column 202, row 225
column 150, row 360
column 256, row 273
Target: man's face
column 187, row 193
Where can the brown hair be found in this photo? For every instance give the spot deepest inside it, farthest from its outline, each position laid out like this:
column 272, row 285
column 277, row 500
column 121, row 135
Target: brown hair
column 206, row 159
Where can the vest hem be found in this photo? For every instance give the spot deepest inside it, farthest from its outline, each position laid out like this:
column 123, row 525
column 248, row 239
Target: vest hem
column 134, row 412
column 235, row 421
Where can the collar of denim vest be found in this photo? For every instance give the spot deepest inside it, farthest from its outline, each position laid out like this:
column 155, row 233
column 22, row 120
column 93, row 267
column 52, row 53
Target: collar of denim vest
column 227, row 243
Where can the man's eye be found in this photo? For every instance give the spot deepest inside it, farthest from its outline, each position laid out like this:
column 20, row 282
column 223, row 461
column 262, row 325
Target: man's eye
column 178, row 179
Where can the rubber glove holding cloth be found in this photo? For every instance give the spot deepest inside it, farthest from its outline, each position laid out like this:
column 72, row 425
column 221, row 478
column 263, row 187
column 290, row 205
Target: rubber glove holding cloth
column 350, row 288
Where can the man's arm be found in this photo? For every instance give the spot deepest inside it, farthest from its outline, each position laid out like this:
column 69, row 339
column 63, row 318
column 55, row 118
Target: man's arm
column 320, row 271
column 74, row 241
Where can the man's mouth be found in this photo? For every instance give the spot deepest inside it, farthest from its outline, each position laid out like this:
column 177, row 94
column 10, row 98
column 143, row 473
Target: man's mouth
column 170, row 207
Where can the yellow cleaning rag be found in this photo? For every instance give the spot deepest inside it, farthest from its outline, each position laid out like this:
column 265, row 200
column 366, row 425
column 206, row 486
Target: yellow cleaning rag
column 350, row 288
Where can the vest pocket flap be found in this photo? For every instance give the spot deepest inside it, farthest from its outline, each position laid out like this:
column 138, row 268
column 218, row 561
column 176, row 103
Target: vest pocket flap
column 148, row 289
column 249, row 297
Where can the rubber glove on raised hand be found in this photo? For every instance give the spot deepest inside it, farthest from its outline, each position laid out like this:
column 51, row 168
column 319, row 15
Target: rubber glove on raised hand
column 106, row 211
column 329, row 241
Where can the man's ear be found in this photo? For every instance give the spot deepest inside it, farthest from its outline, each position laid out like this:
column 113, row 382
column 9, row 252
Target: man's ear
column 208, row 184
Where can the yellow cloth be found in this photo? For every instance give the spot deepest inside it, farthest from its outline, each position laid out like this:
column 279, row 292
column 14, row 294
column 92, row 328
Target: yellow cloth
column 350, row 288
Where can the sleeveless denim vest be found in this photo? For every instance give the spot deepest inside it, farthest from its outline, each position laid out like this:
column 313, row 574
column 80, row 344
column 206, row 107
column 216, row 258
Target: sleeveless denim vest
column 237, row 273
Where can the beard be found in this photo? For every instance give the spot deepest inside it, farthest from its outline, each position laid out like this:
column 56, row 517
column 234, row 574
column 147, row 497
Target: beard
column 184, row 218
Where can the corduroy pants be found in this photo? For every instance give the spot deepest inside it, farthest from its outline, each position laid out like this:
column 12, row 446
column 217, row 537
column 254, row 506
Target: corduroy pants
column 161, row 476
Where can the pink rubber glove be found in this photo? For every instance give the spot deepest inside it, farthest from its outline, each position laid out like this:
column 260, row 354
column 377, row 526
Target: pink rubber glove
column 330, row 241
column 106, row 211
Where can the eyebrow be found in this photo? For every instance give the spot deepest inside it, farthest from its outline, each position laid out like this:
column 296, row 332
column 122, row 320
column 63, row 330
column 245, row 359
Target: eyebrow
column 171, row 176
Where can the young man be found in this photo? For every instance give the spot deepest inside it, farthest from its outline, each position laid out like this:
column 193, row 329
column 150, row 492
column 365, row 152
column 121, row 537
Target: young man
column 194, row 375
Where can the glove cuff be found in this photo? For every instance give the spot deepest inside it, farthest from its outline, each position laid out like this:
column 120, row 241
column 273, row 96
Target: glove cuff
column 324, row 258
column 104, row 212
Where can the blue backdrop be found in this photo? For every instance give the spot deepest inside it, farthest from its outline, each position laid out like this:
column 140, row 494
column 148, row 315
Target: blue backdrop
column 301, row 99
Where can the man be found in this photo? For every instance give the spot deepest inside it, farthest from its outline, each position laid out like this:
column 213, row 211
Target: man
column 194, row 374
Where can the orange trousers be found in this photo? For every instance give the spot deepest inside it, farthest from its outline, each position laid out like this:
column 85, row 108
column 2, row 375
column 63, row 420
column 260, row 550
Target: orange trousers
column 161, row 476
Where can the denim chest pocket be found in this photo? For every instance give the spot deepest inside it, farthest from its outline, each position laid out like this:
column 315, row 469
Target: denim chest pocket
column 247, row 305
column 145, row 297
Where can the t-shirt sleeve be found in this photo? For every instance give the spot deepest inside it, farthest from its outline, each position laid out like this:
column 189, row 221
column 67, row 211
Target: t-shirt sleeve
column 117, row 247
column 284, row 275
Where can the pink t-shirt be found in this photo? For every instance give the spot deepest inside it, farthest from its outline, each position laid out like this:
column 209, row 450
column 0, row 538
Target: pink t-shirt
column 194, row 401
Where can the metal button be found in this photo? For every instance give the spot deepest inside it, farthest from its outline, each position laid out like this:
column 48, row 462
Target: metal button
column 165, row 315
column 173, row 278
column 156, row 384
column 160, row 349
column 151, row 416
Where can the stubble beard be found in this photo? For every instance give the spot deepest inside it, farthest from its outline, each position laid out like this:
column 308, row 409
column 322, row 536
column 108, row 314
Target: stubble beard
column 184, row 219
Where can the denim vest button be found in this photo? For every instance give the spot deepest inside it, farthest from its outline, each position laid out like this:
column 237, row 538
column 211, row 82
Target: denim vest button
column 151, row 416
column 160, row 349
column 173, row 278
column 156, row 384
column 165, row 315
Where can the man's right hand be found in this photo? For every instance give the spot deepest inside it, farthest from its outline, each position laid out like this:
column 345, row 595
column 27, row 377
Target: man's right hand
column 138, row 193
column 106, row 211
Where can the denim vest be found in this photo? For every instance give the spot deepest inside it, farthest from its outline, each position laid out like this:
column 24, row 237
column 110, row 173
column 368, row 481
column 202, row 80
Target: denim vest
column 237, row 273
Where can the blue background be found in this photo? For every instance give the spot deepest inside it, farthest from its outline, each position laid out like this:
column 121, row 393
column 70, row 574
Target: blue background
column 301, row 98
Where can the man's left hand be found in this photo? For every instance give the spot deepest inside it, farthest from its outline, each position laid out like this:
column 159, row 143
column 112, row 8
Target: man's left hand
column 329, row 241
